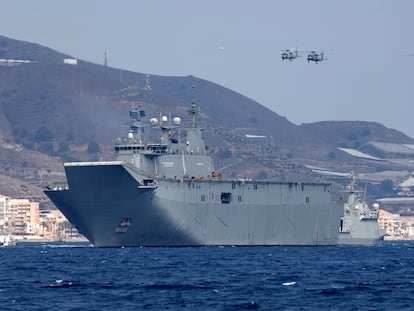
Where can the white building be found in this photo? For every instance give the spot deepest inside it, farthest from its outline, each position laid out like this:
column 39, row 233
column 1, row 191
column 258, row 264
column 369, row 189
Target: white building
column 70, row 61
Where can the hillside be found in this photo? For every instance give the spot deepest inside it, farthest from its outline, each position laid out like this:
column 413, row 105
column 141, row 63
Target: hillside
column 353, row 134
column 52, row 112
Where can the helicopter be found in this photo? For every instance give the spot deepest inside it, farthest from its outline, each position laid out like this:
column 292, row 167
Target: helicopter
column 315, row 57
column 290, row 54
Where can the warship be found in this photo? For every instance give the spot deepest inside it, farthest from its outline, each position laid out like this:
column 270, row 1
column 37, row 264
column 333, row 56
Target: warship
column 359, row 223
column 164, row 191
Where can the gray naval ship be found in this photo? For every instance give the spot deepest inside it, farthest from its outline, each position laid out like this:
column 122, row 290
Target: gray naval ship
column 359, row 224
column 165, row 192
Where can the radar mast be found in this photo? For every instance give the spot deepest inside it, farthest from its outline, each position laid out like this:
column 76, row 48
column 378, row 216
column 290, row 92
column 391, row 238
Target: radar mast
column 193, row 111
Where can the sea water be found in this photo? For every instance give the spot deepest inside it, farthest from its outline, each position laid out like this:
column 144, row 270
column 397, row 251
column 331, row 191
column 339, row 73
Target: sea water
column 80, row 277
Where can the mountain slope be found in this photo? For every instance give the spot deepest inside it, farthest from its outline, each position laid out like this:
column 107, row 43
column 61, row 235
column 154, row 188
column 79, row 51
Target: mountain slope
column 54, row 104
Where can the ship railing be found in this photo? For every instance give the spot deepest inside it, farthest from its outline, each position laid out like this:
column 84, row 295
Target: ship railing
column 128, row 147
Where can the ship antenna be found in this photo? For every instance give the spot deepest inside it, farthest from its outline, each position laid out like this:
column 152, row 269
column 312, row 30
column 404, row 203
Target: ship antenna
column 351, row 183
column 105, row 63
column 365, row 192
column 193, row 111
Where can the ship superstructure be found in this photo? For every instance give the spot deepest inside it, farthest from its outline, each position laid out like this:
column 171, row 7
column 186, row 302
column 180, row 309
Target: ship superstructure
column 359, row 223
column 166, row 192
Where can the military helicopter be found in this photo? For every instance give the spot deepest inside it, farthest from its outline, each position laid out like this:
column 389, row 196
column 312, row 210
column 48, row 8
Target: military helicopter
column 315, row 57
column 290, row 54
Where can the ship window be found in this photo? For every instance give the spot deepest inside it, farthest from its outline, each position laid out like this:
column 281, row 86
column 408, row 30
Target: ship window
column 203, row 198
column 239, row 198
column 233, row 186
column 303, row 187
column 225, row 197
column 255, row 186
column 307, row 200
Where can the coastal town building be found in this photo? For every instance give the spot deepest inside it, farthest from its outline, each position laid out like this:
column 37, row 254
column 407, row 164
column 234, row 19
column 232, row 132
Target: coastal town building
column 397, row 226
column 22, row 219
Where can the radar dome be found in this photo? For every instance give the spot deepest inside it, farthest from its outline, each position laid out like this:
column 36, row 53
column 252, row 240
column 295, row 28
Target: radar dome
column 177, row 121
column 154, row 121
column 164, row 119
column 375, row 205
column 130, row 135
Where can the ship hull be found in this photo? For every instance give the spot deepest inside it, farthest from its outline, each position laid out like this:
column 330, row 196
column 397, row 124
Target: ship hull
column 344, row 239
column 111, row 206
column 362, row 232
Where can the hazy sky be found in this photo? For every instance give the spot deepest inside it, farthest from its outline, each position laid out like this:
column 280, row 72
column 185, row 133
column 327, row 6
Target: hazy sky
column 237, row 44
